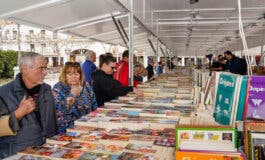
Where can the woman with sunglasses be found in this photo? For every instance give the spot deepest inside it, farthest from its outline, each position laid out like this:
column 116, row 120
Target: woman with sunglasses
column 73, row 97
column 105, row 86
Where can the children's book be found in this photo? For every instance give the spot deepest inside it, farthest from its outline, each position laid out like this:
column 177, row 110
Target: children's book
column 84, row 146
column 119, row 131
column 115, row 137
column 135, row 156
column 203, row 138
column 97, row 156
column 226, row 99
column 63, row 138
column 255, row 100
column 140, row 148
column 41, row 151
column 165, row 142
column 84, row 129
column 30, row 157
column 67, row 154
column 86, row 137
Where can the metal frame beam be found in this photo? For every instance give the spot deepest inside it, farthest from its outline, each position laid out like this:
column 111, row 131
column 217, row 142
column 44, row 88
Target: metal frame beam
column 207, row 9
column 33, row 7
column 89, row 21
column 119, row 30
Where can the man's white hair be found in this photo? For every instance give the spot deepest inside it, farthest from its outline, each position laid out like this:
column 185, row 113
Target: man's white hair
column 89, row 53
column 28, row 58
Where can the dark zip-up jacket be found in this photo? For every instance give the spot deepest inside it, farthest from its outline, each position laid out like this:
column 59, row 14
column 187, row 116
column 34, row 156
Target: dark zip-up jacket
column 107, row 88
column 34, row 127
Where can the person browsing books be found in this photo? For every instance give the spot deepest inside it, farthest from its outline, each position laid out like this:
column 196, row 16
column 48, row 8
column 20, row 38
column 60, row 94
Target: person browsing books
column 235, row 64
column 219, row 65
column 73, row 97
column 88, row 66
column 106, row 87
column 122, row 69
column 27, row 109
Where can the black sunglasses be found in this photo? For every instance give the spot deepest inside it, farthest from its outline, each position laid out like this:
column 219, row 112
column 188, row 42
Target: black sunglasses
column 74, row 64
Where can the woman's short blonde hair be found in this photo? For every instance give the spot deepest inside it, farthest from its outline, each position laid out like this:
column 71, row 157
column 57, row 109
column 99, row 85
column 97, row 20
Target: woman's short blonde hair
column 67, row 68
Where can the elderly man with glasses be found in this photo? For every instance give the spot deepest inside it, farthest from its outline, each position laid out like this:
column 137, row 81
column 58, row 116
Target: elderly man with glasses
column 27, row 109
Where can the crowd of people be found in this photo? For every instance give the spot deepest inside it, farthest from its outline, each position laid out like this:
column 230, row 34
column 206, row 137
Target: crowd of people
column 31, row 110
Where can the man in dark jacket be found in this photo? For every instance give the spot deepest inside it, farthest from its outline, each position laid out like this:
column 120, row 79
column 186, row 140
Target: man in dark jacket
column 150, row 69
column 235, row 64
column 27, row 109
column 106, row 87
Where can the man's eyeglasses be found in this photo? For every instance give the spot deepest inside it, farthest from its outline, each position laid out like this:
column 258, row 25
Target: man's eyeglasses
column 74, row 64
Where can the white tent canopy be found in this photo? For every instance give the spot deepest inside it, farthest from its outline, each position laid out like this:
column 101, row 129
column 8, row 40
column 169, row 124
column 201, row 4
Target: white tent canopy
column 171, row 26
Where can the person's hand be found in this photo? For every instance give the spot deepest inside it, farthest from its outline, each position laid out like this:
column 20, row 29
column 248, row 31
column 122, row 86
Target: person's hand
column 70, row 100
column 75, row 90
column 138, row 92
column 25, row 107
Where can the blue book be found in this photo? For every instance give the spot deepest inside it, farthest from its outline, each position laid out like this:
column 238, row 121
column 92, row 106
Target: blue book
column 242, row 98
column 225, row 98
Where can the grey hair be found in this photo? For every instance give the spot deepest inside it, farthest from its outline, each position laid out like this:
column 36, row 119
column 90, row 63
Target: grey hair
column 89, row 53
column 28, row 58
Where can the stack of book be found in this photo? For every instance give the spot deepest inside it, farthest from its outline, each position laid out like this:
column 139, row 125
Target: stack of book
column 130, row 127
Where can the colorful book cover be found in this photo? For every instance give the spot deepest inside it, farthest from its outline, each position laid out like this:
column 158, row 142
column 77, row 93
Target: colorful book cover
column 135, row 156
column 97, row 156
column 32, row 157
column 255, row 101
column 94, row 147
column 69, row 154
column 214, row 135
column 165, row 142
column 139, row 137
column 91, row 136
column 84, row 146
column 225, row 98
column 42, row 151
column 124, row 131
column 150, row 132
column 115, row 137
column 84, row 129
column 63, row 138
column 242, row 98
column 140, row 148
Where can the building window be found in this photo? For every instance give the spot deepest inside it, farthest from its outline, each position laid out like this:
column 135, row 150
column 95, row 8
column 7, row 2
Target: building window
column 32, row 47
column 6, row 34
column 42, row 33
column 43, row 47
column 31, row 32
column 14, row 35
